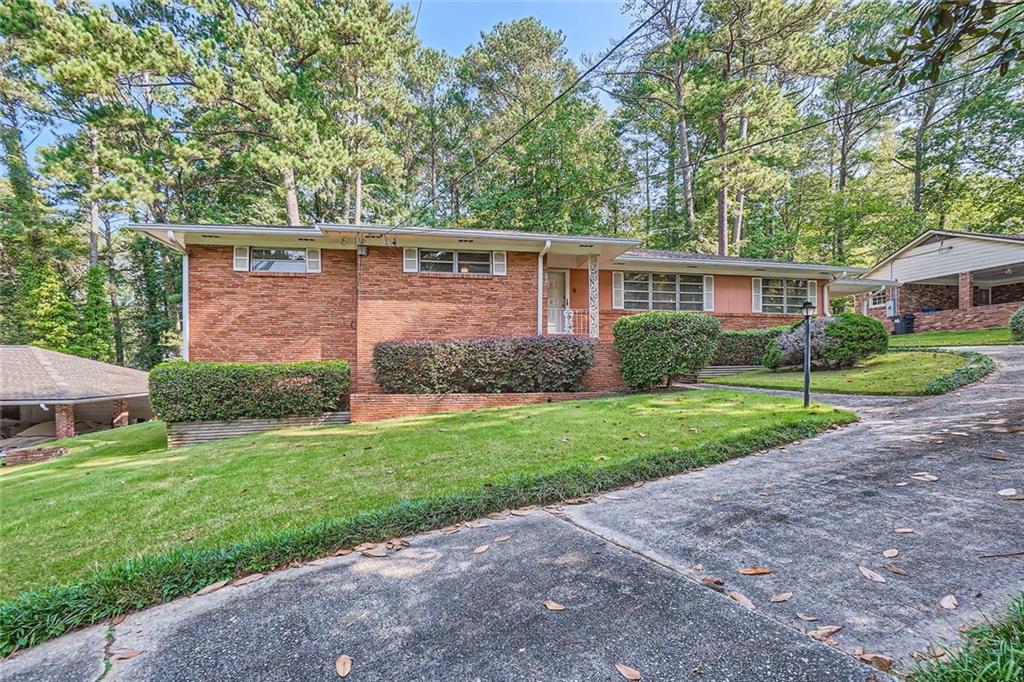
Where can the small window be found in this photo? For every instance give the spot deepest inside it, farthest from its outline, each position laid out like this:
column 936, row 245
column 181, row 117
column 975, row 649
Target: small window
column 461, row 262
column 878, row 299
column 662, row 291
column 277, row 260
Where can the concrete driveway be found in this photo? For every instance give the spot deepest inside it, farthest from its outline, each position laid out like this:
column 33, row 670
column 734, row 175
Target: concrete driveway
column 630, row 568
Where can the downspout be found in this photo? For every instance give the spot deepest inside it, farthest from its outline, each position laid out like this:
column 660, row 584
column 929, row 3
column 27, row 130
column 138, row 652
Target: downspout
column 540, row 286
column 174, row 239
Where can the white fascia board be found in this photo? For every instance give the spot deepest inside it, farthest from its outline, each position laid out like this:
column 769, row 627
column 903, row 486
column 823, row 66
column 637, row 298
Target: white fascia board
column 711, row 266
column 537, row 238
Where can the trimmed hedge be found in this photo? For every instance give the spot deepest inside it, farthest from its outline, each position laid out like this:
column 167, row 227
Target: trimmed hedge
column 1017, row 325
column 503, row 364
column 183, row 391
column 660, row 346
column 37, row 615
column 836, row 342
column 978, row 366
column 744, row 347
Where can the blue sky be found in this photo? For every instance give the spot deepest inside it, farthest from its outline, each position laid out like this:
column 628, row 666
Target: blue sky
column 589, row 26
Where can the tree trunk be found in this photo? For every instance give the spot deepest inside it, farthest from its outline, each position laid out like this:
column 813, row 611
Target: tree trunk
column 922, row 129
column 683, row 144
column 94, row 205
column 723, row 195
column 18, row 174
column 359, row 168
column 291, row 196
column 737, row 223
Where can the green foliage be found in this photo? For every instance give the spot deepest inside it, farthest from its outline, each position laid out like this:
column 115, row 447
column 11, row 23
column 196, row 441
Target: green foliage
column 397, row 481
column 658, row 347
column 990, row 652
column 854, row 337
column 513, row 364
column 50, row 320
column 219, row 391
column 95, row 335
column 836, row 342
column 1016, row 325
column 744, row 347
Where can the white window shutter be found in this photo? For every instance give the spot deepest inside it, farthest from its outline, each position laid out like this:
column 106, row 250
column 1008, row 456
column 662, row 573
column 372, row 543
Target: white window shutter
column 618, row 302
column 240, row 262
column 499, row 263
column 709, row 292
column 410, row 260
column 755, row 284
column 812, row 291
column 313, row 260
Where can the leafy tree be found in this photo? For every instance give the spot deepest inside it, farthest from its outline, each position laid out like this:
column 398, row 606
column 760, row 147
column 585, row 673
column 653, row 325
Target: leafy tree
column 95, row 331
column 51, row 318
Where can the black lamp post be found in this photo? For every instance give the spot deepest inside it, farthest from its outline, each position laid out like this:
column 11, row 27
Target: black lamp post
column 808, row 310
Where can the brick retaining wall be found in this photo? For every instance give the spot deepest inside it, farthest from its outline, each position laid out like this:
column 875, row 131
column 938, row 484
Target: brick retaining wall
column 31, row 455
column 980, row 317
column 369, row 407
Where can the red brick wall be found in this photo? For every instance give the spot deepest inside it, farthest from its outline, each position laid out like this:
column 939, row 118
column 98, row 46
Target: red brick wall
column 271, row 317
column 978, row 317
column 31, row 455
column 64, row 421
column 1008, row 293
column 965, row 290
column 397, row 305
column 369, row 407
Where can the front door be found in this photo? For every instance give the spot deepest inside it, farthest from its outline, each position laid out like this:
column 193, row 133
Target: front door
column 558, row 302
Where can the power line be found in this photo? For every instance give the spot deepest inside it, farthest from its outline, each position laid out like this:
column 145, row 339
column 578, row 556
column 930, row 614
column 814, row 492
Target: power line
column 572, row 86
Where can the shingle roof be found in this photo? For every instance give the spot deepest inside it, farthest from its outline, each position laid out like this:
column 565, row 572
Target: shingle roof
column 30, row 375
column 685, row 255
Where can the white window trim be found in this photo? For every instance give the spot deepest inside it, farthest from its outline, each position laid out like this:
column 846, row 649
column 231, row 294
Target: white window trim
column 755, row 295
column 650, row 291
column 758, row 303
column 709, row 293
column 498, row 262
column 618, row 291
column 410, row 260
column 871, row 299
column 242, row 259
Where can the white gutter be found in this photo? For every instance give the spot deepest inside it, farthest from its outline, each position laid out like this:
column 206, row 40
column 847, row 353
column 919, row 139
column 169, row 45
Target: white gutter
column 540, row 287
column 626, row 258
column 184, row 306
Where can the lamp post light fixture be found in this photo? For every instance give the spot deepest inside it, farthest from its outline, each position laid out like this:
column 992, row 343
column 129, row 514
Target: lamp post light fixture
column 808, row 310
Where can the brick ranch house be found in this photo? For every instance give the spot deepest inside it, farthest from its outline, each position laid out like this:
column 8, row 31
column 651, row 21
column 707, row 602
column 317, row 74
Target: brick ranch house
column 278, row 294
column 950, row 280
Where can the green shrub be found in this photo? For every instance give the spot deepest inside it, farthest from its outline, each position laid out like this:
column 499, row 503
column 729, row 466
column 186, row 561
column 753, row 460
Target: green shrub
column 836, row 342
column 505, row 364
column 183, row 391
column 1017, row 325
column 744, row 347
column 660, row 346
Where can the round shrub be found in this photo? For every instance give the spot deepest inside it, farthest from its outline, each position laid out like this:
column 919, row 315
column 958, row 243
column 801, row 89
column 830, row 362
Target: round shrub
column 1017, row 325
column 836, row 342
column 657, row 347
column 744, row 347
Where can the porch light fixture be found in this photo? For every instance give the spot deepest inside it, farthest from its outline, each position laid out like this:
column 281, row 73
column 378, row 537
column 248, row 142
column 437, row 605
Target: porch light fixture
column 807, row 309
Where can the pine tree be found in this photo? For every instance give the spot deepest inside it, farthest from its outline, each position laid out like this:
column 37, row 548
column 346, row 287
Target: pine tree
column 95, row 331
column 51, row 319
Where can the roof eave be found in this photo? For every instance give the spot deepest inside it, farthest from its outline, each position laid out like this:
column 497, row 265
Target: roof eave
column 539, row 237
column 740, row 264
column 71, row 401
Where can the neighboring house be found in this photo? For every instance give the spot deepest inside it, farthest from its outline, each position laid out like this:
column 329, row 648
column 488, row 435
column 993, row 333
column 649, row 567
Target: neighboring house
column 268, row 293
column 45, row 394
column 950, row 280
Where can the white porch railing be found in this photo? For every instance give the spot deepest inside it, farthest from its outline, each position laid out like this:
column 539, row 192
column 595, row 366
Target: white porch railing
column 569, row 321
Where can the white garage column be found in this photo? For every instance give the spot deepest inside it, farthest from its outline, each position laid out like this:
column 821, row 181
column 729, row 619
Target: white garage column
column 594, row 297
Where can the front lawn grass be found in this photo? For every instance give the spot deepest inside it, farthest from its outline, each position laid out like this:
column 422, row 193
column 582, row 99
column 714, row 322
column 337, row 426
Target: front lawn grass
column 132, row 527
column 993, row 652
column 885, row 374
column 996, row 336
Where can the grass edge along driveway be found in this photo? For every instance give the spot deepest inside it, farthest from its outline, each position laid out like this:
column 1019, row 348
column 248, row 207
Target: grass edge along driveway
column 992, row 336
column 94, row 535
column 898, row 373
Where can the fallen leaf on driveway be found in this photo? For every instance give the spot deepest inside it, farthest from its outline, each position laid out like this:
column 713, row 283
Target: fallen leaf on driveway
column 374, row 553
column 737, row 597
column 880, row 661
column 481, row 549
column 126, row 654
column 553, row 606
column 365, row 546
column 343, row 666
column 904, row 531
column 949, row 602
column 755, row 570
column 924, row 476
column 627, row 672
column 1007, row 492
column 998, row 458
column 520, row 512
column 781, row 596
column 893, row 568
column 870, row 575
column 448, row 530
column 248, row 579
column 117, row 620
column 343, row 552
column 805, row 617
column 503, row 538
column 711, row 580
column 891, row 553
column 824, row 632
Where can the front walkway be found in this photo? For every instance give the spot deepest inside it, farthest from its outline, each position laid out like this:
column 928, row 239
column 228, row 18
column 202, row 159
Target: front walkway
column 629, row 566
